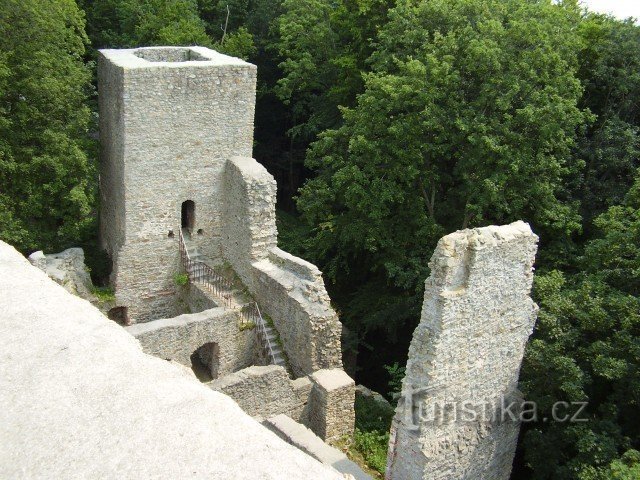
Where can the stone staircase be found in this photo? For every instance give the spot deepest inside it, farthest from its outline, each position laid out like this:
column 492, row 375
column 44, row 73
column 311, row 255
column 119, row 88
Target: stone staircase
column 194, row 253
column 194, row 263
column 278, row 355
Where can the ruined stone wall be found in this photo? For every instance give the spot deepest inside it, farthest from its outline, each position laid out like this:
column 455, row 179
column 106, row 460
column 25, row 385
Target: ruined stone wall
column 288, row 289
column 263, row 391
column 167, row 130
column 178, row 338
column 195, row 298
column 112, row 187
column 322, row 401
column 249, row 216
column 466, row 352
column 331, row 414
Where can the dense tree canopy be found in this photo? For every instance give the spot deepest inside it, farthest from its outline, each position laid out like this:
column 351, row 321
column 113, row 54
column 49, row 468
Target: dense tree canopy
column 610, row 73
column 134, row 23
column 46, row 181
column 586, row 348
column 467, row 118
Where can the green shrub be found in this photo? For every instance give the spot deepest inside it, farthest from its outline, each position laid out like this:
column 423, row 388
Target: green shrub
column 373, row 448
column 372, row 415
column 371, row 436
column 104, row 294
column 247, row 326
column 181, row 279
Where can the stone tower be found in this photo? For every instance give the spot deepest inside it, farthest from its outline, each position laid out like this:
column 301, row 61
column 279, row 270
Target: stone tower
column 457, row 417
column 170, row 118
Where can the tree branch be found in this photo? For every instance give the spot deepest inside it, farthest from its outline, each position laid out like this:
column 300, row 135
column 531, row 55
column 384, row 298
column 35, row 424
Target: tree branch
column 224, row 29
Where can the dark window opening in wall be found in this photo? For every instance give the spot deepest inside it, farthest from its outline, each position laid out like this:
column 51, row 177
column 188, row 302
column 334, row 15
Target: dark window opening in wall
column 188, row 215
column 205, row 362
column 170, row 234
column 200, row 231
column 120, row 315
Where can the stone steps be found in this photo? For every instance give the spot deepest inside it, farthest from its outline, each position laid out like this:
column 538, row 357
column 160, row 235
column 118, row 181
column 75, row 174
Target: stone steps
column 278, row 355
column 271, row 333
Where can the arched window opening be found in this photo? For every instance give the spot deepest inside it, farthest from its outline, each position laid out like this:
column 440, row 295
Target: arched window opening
column 188, row 215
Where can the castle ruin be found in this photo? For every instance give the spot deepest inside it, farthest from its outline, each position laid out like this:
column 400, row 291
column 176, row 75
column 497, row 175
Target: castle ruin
column 458, row 414
column 188, row 219
column 181, row 196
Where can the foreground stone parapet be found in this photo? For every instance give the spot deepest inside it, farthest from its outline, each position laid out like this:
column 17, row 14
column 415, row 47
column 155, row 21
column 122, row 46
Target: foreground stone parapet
column 79, row 399
column 464, row 359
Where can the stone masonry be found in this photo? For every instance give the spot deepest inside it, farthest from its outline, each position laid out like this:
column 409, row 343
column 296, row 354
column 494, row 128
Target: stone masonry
column 176, row 127
column 322, row 401
column 466, row 353
column 177, row 338
column 80, row 400
column 331, row 404
column 170, row 118
column 290, row 290
column 66, row 268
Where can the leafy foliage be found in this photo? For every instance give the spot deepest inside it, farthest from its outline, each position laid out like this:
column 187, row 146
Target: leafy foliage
column 47, row 184
column 371, row 436
column 104, row 294
column 586, row 348
column 610, row 73
column 411, row 119
column 137, row 23
column 468, row 117
column 181, row 279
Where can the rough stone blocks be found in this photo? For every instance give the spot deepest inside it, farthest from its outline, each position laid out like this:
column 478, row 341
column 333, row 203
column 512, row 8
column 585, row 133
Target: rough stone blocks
column 331, row 414
column 465, row 354
column 170, row 118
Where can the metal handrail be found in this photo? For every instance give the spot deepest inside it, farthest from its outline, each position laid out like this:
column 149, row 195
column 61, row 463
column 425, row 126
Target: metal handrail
column 202, row 273
column 222, row 287
column 251, row 313
column 263, row 329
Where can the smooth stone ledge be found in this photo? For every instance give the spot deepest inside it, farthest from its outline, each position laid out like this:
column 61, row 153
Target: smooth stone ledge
column 79, row 399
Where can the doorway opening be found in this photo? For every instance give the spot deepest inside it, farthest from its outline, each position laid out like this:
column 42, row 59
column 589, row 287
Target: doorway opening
column 205, row 362
column 120, row 315
column 188, row 215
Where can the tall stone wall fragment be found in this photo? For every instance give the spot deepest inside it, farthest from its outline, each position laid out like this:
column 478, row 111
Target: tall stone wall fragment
column 288, row 289
column 453, row 419
column 170, row 117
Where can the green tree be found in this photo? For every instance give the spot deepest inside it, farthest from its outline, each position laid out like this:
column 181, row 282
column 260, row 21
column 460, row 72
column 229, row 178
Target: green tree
column 46, row 181
column 610, row 72
column 138, row 23
column 587, row 348
column 468, row 117
column 324, row 46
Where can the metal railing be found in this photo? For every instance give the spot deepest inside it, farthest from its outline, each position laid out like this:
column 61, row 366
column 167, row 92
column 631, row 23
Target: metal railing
column 261, row 329
column 217, row 284
column 222, row 288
